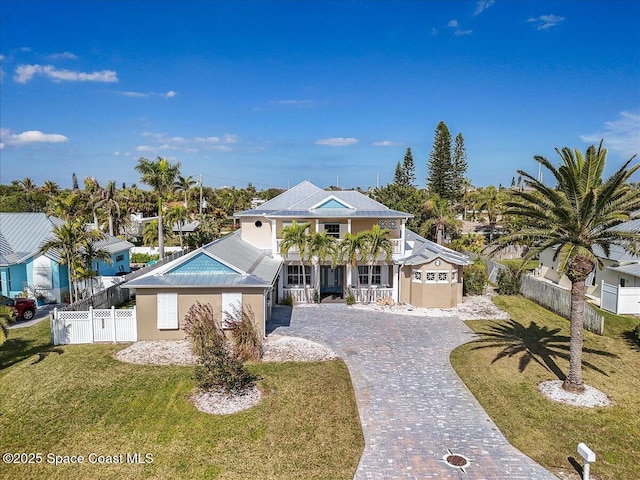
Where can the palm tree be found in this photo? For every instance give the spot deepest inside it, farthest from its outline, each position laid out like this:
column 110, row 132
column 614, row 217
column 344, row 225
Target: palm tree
column 349, row 249
column 177, row 215
column 50, row 188
column 438, row 217
column 66, row 207
column 578, row 217
column 376, row 242
column 321, row 248
column 109, row 201
column 68, row 239
column 92, row 191
column 159, row 175
column 294, row 237
column 7, row 316
column 88, row 254
column 27, row 185
column 492, row 200
column 183, row 185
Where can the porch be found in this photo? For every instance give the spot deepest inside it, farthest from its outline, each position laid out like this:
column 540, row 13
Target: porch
column 360, row 294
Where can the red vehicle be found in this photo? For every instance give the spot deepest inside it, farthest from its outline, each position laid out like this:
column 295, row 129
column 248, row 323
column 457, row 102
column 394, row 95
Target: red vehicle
column 25, row 308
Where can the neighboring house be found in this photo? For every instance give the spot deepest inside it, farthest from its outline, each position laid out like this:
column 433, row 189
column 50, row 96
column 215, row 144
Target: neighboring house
column 620, row 269
column 23, row 266
column 246, row 267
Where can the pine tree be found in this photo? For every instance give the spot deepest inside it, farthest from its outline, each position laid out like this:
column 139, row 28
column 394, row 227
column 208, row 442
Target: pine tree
column 459, row 171
column 440, row 163
column 405, row 174
column 74, row 181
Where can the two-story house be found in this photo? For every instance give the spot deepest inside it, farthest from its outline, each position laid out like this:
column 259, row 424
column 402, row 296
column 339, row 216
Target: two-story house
column 248, row 267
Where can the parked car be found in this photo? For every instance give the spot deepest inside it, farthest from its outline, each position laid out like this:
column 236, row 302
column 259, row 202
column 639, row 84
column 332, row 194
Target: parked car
column 25, row 308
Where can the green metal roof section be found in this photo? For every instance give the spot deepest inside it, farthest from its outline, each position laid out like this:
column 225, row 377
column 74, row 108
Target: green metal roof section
column 201, row 264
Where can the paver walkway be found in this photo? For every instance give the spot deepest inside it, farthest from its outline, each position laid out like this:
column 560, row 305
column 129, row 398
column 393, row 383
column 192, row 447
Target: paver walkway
column 413, row 407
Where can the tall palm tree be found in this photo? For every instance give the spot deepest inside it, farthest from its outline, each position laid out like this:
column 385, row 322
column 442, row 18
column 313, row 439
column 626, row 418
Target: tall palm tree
column 66, row 207
column 159, row 174
column 27, row 185
column 322, row 247
column 67, row 239
column 92, row 192
column 294, row 237
column 109, row 201
column 177, row 215
column 349, row 249
column 376, row 242
column 492, row 201
column 89, row 254
column 578, row 217
column 183, row 185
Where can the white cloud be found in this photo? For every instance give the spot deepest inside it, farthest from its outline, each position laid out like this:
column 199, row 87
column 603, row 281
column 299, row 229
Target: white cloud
column 545, row 22
column 25, row 73
column 453, row 23
column 482, row 5
column 295, row 103
column 621, row 135
column 385, row 143
column 226, row 139
column 461, row 33
column 169, row 94
column 135, row 94
column 337, row 141
column 62, row 56
column 145, row 148
column 31, row 136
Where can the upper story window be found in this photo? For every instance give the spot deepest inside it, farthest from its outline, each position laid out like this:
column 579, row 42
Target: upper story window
column 120, row 258
column 390, row 224
column 332, row 229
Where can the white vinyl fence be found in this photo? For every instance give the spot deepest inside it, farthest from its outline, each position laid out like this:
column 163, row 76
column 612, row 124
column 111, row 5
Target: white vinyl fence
column 620, row 300
column 94, row 325
column 558, row 300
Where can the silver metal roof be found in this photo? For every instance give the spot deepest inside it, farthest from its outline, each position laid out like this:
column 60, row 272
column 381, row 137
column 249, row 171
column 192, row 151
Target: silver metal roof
column 256, row 268
column 632, row 269
column 306, row 200
column 425, row 251
column 22, row 234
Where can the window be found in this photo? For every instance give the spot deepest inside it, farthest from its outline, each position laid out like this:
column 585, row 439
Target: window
column 393, row 224
column 363, row 275
column 382, row 223
column 623, row 282
column 442, row 276
column 430, row 277
column 332, row 229
column 167, row 315
column 454, row 276
column 120, row 258
column 294, row 274
column 417, row 276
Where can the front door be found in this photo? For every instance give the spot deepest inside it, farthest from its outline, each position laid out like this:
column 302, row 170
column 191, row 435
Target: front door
column 331, row 279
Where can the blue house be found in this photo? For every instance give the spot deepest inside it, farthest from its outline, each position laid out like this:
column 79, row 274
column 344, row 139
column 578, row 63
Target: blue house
column 23, row 265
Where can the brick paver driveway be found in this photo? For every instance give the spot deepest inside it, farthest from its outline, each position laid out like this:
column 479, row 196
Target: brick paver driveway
column 413, row 407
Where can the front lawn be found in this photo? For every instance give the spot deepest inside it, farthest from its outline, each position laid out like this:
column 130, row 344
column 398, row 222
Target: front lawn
column 513, row 357
column 79, row 400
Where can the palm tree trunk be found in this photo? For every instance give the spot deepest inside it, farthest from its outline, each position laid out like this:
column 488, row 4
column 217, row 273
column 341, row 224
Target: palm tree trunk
column 369, row 286
column 439, row 233
column 110, row 224
column 574, row 383
column 304, row 281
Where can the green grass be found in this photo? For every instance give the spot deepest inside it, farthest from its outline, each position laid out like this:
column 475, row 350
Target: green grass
column 530, row 265
column 503, row 374
column 77, row 400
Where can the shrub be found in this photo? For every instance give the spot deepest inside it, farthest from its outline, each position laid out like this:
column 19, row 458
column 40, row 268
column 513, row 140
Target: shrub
column 143, row 257
column 475, row 278
column 218, row 365
column 7, row 316
column 351, row 299
column 288, row 301
column 509, row 280
column 636, row 332
column 247, row 342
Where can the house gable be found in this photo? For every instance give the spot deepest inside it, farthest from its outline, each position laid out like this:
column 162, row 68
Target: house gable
column 333, row 203
column 202, row 264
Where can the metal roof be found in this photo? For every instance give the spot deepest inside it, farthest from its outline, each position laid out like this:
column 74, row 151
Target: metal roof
column 632, row 269
column 307, row 200
column 22, row 234
column 255, row 267
column 425, row 251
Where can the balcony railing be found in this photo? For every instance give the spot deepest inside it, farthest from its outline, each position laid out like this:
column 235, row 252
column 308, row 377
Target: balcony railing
column 360, row 294
column 396, row 242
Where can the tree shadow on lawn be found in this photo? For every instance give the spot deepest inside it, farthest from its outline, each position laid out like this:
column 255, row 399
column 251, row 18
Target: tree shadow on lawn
column 542, row 345
column 15, row 350
column 630, row 337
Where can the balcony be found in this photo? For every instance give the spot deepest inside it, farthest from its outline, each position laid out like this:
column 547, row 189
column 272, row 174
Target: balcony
column 396, row 250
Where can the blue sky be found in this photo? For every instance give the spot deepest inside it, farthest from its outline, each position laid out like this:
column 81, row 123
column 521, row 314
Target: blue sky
column 279, row 92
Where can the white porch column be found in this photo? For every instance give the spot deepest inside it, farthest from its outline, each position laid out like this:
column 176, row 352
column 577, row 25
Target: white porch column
column 317, row 225
column 395, row 294
column 403, row 235
column 348, row 225
column 274, row 238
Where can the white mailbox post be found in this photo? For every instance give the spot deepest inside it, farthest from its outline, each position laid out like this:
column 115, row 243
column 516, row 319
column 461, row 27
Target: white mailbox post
column 589, row 457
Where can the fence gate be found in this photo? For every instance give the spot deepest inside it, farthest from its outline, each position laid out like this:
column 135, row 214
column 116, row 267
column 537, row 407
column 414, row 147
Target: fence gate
column 609, row 297
column 94, row 325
